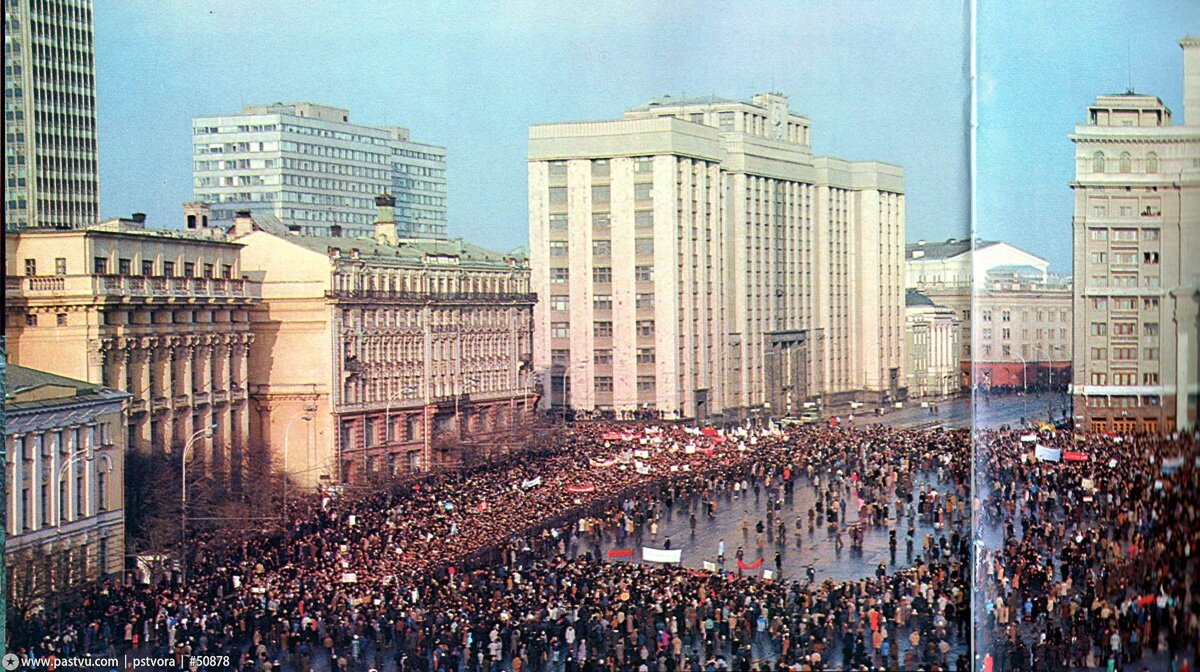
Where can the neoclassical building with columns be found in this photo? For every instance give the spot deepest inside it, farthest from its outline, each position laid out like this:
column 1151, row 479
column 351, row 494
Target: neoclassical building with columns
column 161, row 315
column 378, row 356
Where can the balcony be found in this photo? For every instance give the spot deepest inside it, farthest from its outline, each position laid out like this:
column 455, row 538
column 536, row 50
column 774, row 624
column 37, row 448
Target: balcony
column 128, row 288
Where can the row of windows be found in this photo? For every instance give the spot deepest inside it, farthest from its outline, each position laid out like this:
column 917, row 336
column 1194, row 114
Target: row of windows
column 1125, row 258
column 1006, row 315
column 1123, row 235
column 601, row 274
column 1124, row 329
column 602, row 193
column 1124, row 303
column 1006, row 333
column 1124, row 354
column 644, row 301
column 602, row 248
column 601, row 328
column 1124, row 162
column 1122, row 378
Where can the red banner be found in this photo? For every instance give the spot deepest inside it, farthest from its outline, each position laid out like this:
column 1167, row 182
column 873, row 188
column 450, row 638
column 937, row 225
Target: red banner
column 754, row 565
column 580, row 489
column 710, row 431
column 620, row 553
column 1075, row 456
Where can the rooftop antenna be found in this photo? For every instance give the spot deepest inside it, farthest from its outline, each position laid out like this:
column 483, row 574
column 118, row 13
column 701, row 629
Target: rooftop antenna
column 1128, row 68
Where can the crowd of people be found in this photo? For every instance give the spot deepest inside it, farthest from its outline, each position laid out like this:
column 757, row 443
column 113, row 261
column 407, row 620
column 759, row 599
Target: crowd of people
column 1089, row 551
column 486, row 570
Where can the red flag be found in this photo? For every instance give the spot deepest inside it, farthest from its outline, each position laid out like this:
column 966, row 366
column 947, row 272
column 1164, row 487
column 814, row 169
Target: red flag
column 579, row 489
column 1075, row 456
column 709, row 431
column 620, row 553
column 754, row 565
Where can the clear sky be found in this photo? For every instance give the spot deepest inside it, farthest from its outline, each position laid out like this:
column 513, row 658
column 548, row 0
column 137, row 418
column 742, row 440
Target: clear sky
column 879, row 80
column 1040, row 65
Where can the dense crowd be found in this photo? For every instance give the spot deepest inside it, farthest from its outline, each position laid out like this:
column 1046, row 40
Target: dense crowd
column 479, row 571
column 1089, row 554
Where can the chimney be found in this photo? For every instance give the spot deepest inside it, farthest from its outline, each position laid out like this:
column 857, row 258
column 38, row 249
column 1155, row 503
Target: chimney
column 138, row 217
column 196, row 215
column 243, row 224
column 1191, row 80
column 385, row 220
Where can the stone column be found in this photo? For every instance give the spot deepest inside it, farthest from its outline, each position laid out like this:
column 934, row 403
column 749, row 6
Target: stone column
column 16, row 466
column 35, row 490
column 141, row 392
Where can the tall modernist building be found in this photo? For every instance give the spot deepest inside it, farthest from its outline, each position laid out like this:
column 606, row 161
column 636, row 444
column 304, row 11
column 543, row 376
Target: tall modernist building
column 696, row 259
column 1137, row 260
column 50, row 173
column 311, row 168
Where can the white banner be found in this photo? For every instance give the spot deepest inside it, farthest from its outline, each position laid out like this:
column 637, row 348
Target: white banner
column 644, row 454
column 768, row 574
column 1172, row 464
column 1029, row 438
column 660, row 555
column 1047, row 454
column 531, row 482
column 641, row 468
column 349, row 577
column 709, row 566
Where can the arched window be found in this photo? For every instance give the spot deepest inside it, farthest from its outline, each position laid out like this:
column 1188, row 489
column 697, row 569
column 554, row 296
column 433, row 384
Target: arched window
column 1125, row 162
column 1152, row 163
column 1098, row 162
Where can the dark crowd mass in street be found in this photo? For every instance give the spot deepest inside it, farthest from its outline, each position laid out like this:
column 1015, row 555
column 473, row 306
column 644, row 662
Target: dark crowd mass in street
column 498, row 570
column 1088, row 552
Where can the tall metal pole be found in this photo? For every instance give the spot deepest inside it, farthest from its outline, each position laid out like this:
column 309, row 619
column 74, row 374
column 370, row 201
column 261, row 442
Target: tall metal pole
column 207, row 431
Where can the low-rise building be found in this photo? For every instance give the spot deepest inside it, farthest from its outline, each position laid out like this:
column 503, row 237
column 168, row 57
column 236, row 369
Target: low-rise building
column 373, row 353
column 161, row 315
column 66, row 503
column 932, row 347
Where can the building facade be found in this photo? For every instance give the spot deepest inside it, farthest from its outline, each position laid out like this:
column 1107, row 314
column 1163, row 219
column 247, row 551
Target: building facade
column 932, row 351
column 383, row 355
column 1022, row 331
column 50, row 170
column 160, row 315
column 1136, row 244
column 695, row 259
column 65, row 483
column 311, row 168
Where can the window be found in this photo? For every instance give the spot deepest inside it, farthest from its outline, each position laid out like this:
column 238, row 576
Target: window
column 643, row 191
column 1150, row 379
column 600, row 168
column 1150, row 354
column 124, row 266
column 602, row 302
column 1150, row 258
column 1125, row 354
column 602, row 329
column 1125, row 162
column 1152, row 163
column 147, row 267
column 226, row 271
column 643, row 246
column 1125, row 234
column 1150, row 303
column 61, row 319
column 31, row 319
column 1098, row 234
column 60, row 266
column 1098, row 162
column 1006, row 350
column 1006, row 334
column 559, row 276
column 1124, row 328
column 643, row 164
column 189, row 269
column 602, row 356
column 31, row 267
column 987, row 316
column 1099, row 329
column 645, row 301
column 643, row 219
column 558, row 248
column 1150, row 234
column 725, row 122
column 1099, row 354
column 987, row 333
column 644, row 273
column 645, row 356
column 645, row 327
column 601, row 220
column 558, row 222
column 1150, row 329
column 560, row 356
column 1124, row 378
column 601, row 193
column 602, row 274
column 601, row 248
column 604, row 384
column 1099, row 258
column 558, row 168
column 645, row 384
column 560, row 329
column 208, row 270
column 558, row 195
column 559, row 302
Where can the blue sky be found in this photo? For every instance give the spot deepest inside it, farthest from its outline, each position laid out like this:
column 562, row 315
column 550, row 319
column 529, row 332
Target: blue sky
column 1040, row 65
column 879, row 80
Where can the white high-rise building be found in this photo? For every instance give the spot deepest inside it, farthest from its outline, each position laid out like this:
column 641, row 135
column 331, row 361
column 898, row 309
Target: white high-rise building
column 315, row 171
column 695, row 259
column 1137, row 260
column 50, row 173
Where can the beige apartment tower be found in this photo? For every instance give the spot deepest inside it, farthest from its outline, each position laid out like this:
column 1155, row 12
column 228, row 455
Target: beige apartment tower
column 694, row 259
column 1137, row 260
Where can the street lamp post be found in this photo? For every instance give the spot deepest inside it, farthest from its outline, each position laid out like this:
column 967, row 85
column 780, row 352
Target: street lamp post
column 206, row 432
column 286, row 435
column 1024, row 384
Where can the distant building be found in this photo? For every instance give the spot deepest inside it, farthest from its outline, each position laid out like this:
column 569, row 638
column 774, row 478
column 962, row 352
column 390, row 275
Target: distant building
column 65, row 480
column 311, row 168
column 161, row 315
column 384, row 355
column 932, row 347
column 992, row 279
column 50, row 173
column 1137, row 260
column 695, row 259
